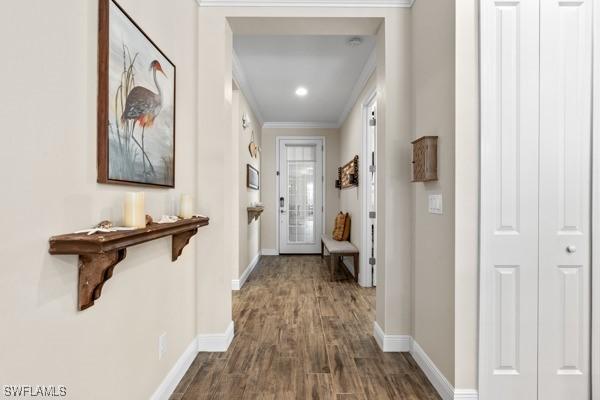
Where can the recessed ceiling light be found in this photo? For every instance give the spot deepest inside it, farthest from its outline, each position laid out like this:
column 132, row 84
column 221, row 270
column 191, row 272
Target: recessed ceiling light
column 301, row 91
column 354, row 42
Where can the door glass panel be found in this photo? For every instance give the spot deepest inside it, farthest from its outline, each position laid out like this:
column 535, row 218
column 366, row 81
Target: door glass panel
column 301, row 168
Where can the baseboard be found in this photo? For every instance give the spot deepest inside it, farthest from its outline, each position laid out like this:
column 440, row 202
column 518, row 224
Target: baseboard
column 466, row 394
column 216, row 342
column 390, row 343
column 236, row 284
column 437, row 378
column 168, row 385
column 405, row 343
column 269, row 252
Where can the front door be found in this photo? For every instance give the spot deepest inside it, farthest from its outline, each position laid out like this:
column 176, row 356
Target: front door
column 300, row 195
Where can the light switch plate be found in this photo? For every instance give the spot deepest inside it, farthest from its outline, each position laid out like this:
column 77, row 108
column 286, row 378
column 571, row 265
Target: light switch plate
column 435, row 204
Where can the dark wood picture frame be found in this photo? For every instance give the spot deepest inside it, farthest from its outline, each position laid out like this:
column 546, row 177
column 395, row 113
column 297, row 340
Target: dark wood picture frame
column 103, row 98
column 252, row 177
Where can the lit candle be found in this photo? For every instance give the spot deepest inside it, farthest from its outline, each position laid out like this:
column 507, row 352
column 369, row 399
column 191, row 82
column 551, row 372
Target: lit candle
column 186, row 206
column 134, row 214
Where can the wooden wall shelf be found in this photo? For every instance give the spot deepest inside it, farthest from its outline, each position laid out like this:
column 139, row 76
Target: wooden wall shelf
column 254, row 213
column 101, row 252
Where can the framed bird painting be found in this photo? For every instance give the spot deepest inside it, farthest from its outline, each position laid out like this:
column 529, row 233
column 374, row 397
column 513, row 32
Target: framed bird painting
column 136, row 104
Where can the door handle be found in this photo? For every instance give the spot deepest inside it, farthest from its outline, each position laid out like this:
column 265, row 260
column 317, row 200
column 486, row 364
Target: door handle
column 571, row 249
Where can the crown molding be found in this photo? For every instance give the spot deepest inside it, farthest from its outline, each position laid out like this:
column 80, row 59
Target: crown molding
column 240, row 78
column 309, row 3
column 360, row 84
column 300, row 125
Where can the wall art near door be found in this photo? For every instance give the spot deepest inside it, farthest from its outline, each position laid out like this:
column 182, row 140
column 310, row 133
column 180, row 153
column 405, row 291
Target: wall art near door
column 252, row 177
column 136, row 104
column 348, row 174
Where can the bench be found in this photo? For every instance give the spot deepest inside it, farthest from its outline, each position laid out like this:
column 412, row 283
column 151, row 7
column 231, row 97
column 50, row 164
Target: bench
column 336, row 250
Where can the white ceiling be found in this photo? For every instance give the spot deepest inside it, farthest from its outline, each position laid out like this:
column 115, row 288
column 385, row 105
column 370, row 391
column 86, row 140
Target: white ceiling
column 269, row 69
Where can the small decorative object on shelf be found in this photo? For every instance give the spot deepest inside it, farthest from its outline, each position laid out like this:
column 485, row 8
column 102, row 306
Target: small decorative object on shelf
column 186, row 206
column 104, row 227
column 348, row 174
column 425, row 159
column 254, row 211
column 99, row 253
column 134, row 215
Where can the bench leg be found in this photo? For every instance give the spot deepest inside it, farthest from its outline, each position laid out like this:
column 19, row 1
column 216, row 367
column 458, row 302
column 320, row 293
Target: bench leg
column 356, row 267
column 322, row 249
column 332, row 264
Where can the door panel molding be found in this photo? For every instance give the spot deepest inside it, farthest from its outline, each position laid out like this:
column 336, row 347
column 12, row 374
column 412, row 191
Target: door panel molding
column 565, row 168
column 509, row 50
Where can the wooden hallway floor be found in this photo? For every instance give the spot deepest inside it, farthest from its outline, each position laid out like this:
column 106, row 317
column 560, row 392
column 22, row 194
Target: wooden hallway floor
column 300, row 336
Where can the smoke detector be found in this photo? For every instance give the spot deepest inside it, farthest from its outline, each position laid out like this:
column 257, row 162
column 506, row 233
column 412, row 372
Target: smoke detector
column 354, row 42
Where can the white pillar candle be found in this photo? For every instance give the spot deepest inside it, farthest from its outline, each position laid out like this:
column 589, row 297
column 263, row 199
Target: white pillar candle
column 186, row 206
column 134, row 215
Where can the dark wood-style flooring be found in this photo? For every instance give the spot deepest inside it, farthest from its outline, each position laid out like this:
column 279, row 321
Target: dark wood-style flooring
column 300, row 336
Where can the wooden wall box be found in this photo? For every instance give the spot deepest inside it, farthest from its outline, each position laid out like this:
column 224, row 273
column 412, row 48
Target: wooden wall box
column 101, row 252
column 425, row 159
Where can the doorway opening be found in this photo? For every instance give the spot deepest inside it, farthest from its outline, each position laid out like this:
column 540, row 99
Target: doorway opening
column 300, row 194
column 369, row 192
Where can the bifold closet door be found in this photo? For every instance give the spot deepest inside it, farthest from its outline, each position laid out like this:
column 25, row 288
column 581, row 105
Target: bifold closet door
column 565, row 190
column 509, row 199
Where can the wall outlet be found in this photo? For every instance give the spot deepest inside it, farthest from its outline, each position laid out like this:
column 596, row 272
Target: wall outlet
column 162, row 345
column 435, row 204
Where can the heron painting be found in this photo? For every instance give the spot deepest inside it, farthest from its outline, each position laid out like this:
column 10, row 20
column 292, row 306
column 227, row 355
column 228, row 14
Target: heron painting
column 136, row 104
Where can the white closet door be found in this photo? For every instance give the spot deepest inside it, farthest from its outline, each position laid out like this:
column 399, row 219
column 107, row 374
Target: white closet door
column 565, row 167
column 596, row 213
column 509, row 201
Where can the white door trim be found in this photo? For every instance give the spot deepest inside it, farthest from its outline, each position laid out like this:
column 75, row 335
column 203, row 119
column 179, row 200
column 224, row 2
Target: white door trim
column 366, row 274
column 595, row 245
column 278, row 139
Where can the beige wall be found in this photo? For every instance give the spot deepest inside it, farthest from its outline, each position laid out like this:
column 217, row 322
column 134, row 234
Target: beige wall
column 466, row 262
column 351, row 142
column 48, row 171
column 269, row 179
column 249, row 233
column 433, row 114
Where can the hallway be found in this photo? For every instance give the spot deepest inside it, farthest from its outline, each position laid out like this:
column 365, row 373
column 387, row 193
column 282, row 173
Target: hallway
column 300, row 336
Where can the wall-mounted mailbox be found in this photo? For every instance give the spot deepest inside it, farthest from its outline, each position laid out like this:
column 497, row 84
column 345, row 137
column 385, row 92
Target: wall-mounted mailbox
column 425, row 159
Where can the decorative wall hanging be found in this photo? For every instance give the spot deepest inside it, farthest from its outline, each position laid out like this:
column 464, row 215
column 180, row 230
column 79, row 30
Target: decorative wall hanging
column 348, row 174
column 252, row 177
column 245, row 121
column 253, row 147
column 136, row 104
column 425, row 159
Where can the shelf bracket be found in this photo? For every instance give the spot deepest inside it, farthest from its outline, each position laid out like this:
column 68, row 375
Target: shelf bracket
column 94, row 271
column 179, row 241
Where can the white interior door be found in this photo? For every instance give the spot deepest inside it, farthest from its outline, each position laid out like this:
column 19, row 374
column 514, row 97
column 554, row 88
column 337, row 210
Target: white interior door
column 565, row 169
column 300, row 195
column 509, row 199
column 535, row 204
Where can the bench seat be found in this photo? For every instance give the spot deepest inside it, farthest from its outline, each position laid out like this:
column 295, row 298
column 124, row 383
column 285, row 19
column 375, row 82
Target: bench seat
column 337, row 249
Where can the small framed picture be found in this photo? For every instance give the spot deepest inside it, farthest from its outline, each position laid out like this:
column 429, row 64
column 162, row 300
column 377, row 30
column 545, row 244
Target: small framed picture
column 252, row 177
